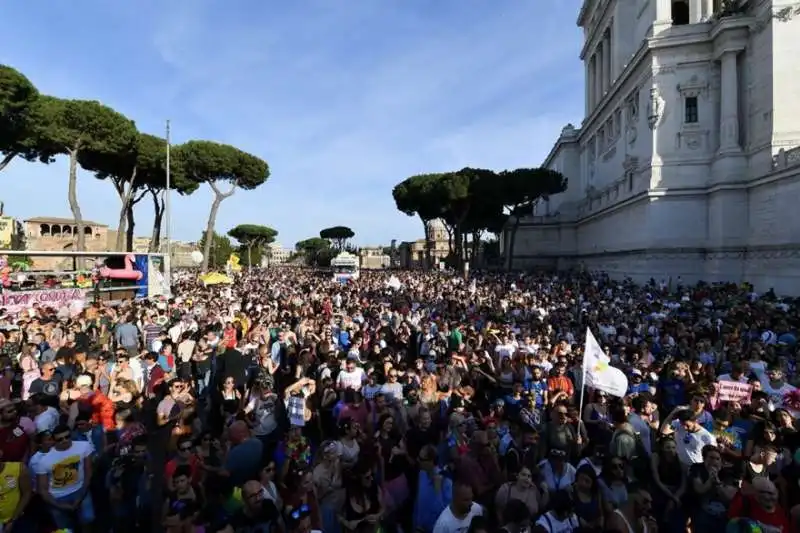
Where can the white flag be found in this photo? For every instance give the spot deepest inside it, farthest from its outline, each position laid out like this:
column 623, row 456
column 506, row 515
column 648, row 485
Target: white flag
column 598, row 373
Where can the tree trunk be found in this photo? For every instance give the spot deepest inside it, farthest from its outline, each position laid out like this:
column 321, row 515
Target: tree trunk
column 72, row 197
column 476, row 248
column 129, row 230
column 7, row 159
column 158, row 212
column 249, row 256
column 125, row 197
column 219, row 196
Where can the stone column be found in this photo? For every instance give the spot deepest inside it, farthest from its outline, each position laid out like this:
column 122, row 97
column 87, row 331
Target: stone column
column 663, row 16
column 706, row 9
column 600, row 74
column 588, row 86
column 694, row 11
column 729, row 104
column 606, row 61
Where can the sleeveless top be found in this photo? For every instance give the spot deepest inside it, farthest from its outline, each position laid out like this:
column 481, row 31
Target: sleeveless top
column 589, row 511
column 9, row 490
column 630, row 528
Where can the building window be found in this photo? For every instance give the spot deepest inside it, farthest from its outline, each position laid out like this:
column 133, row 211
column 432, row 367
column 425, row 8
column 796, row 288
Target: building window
column 690, row 110
column 630, row 181
column 680, row 12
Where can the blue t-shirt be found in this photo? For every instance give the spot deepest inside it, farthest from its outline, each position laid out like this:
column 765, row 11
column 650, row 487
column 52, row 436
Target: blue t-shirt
column 674, row 392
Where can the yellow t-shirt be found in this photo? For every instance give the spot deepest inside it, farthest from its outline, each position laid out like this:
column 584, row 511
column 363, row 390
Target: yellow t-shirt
column 9, row 490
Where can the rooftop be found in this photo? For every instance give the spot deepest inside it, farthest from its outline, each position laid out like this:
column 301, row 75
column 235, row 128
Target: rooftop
column 61, row 220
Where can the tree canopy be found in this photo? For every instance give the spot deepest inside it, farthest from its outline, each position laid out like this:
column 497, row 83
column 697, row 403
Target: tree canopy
column 214, row 164
column 220, row 249
column 106, row 143
column 316, row 251
column 18, row 108
column 83, row 129
column 471, row 201
column 253, row 236
column 338, row 235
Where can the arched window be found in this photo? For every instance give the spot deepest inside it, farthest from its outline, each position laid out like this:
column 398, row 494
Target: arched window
column 87, row 231
column 55, row 231
column 44, row 230
column 680, row 12
column 67, row 230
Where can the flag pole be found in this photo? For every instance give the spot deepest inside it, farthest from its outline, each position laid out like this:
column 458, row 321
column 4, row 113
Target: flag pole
column 168, row 216
column 583, row 380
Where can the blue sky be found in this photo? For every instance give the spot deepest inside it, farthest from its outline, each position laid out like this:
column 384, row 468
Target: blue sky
column 343, row 98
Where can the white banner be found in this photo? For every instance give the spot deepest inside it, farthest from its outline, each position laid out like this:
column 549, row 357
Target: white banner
column 18, row 301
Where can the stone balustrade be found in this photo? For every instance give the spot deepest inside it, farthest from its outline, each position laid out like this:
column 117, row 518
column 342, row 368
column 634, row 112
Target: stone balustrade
column 786, row 158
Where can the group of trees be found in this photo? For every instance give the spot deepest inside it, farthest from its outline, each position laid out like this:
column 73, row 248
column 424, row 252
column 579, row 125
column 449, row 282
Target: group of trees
column 252, row 242
column 472, row 201
column 38, row 127
column 254, row 239
column 318, row 251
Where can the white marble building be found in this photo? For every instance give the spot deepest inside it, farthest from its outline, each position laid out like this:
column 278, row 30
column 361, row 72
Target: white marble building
column 686, row 163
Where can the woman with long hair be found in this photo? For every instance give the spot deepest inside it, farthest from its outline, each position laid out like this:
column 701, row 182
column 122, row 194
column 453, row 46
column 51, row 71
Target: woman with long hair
column 669, row 483
column 348, row 443
column 587, row 499
column 270, row 488
column 30, row 367
column 229, row 400
column 393, row 464
column 363, row 506
column 329, row 485
column 523, row 489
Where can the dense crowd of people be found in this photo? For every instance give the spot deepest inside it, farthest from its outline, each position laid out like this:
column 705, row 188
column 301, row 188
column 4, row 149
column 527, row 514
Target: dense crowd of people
column 287, row 402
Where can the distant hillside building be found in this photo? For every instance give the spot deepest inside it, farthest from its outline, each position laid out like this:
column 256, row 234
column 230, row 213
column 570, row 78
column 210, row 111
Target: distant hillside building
column 373, row 258
column 55, row 234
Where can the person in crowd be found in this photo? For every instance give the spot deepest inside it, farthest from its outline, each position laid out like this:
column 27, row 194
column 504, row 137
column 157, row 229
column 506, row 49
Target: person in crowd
column 440, row 404
column 63, row 477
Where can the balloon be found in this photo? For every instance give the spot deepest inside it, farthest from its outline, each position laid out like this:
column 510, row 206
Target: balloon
column 197, row 257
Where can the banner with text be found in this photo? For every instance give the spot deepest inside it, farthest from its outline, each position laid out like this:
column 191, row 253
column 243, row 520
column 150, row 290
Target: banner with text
column 731, row 391
column 18, row 301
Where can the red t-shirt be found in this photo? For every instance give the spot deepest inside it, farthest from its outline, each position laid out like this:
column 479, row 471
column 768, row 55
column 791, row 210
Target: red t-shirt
column 14, row 443
column 777, row 521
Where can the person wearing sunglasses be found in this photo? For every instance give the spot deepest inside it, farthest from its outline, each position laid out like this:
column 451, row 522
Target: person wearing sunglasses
column 62, row 480
column 257, row 513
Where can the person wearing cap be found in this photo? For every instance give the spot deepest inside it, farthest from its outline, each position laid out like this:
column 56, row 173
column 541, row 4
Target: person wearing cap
column 94, row 402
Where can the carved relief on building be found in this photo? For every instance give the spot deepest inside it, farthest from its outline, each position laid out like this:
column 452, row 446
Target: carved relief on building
column 655, row 108
column 691, row 140
column 693, row 87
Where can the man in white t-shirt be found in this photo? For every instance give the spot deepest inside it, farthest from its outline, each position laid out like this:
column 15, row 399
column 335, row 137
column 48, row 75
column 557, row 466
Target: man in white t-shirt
column 457, row 516
column 690, row 436
column 352, row 377
column 63, row 476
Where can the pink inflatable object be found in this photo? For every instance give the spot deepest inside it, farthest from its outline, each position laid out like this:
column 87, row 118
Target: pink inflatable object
column 122, row 273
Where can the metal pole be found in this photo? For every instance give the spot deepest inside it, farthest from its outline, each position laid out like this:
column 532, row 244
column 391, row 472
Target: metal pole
column 168, row 216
